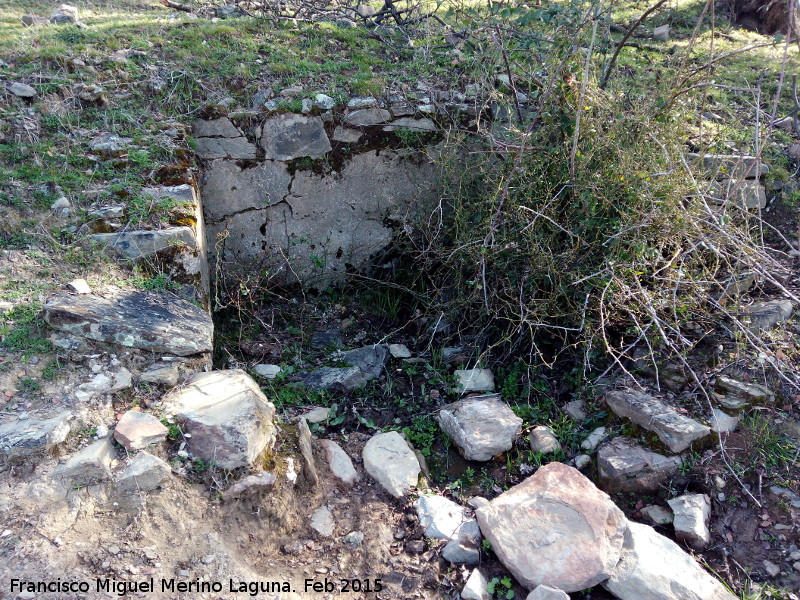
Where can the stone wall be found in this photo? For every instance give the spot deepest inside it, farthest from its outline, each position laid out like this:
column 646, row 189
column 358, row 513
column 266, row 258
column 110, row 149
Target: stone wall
column 311, row 200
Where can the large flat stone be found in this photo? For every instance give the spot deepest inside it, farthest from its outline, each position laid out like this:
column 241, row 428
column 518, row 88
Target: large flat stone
column 766, row 315
column 390, row 461
column 480, row 427
column 653, row 567
column 626, row 467
column 556, row 529
column 144, row 320
column 229, row 419
column 291, row 136
column 367, row 116
column 25, row 437
column 675, row 430
column 691, row 515
column 139, row 244
column 233, row 148
column 221, row 127
column 742, row 193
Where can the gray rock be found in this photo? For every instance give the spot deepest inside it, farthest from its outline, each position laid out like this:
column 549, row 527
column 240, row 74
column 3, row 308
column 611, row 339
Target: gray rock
column 162, row 374
column 657, row 514
column 144, row 473
column 475, row 587
column 575, row 410
column 25, row 437
column 625, row 467
column 90, row 465
column 36, row 21
column 474, row 380
column 724, row 166
column 292, row 91
column 582, row 461
column 354, row 538
column 399, row 351
column 322, row 521
column 233, row 148
column 579, row 547
column 402, row 109
column 291, row 136
column 691, row 515
column 309, row 464
column 64, row 14
column 594, row 439
column 367, row 116
column 100, row 384
column 765, row 315
column 346, row 135
column 137, row 430
column 339, row 462
column 221, row 127
column 328, row 378
column 144, row 320
column 543, row 592
column 22, row 90
column 249, row 485
column 742, row 193
column 462, row 552
column 267, row 371
column 738, row 394
column 722, row 422
column 123, row 379
column 544, row 440
column 653, row 567
column 661, row 33
column 324, row 102
column 79, row 286
column 361, row 103
column 480, row 427
column 228, row 417
column 134, row 245
column 109, row 144
column 370, row 359
column 306, row 105
column 675, row 430
column 390, row 461
column 409, row 124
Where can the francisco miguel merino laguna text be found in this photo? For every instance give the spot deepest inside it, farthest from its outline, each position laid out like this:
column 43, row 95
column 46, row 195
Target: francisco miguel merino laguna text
column 251, row 588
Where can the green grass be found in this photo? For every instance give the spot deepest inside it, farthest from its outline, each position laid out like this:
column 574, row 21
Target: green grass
column 24, row 329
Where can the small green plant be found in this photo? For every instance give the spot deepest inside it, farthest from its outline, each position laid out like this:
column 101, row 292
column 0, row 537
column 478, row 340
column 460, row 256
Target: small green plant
column 173, row 431
column 29, row 385
column 500, row 587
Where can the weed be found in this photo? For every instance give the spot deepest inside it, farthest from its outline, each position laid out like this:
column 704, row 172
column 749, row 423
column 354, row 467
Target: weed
column 500, row 587
column 24, row 333
column 50, row 370
column 423, row 433
column 173, row 431
column 29, row 385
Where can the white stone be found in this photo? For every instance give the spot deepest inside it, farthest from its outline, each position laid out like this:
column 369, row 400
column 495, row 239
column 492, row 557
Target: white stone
column 79, row 286
column 480, row 427
column 475, row 587
column 324, row 102
column 444, row 519
column 22, row 90
column 474, row 380
column 594, row 439
column 653, row 567
column 162, row 374
column 122, row 380
column 317, row 414
column 339, row 462
column 692, row 513
column 390, row 461
column 267, row 371
column 722, row 422
column 544, row 592
column 361, row 103
column 399, row 351
column 322, row 521
column 23, row 437
column 582, row 461
column 544, row 440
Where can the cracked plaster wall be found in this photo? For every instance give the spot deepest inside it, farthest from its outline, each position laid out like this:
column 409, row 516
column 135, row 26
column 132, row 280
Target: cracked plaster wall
column 311, row 227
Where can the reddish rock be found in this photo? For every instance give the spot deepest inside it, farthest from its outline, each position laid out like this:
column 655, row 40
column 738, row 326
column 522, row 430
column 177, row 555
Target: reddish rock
column 137, row 430
column 555, row 529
